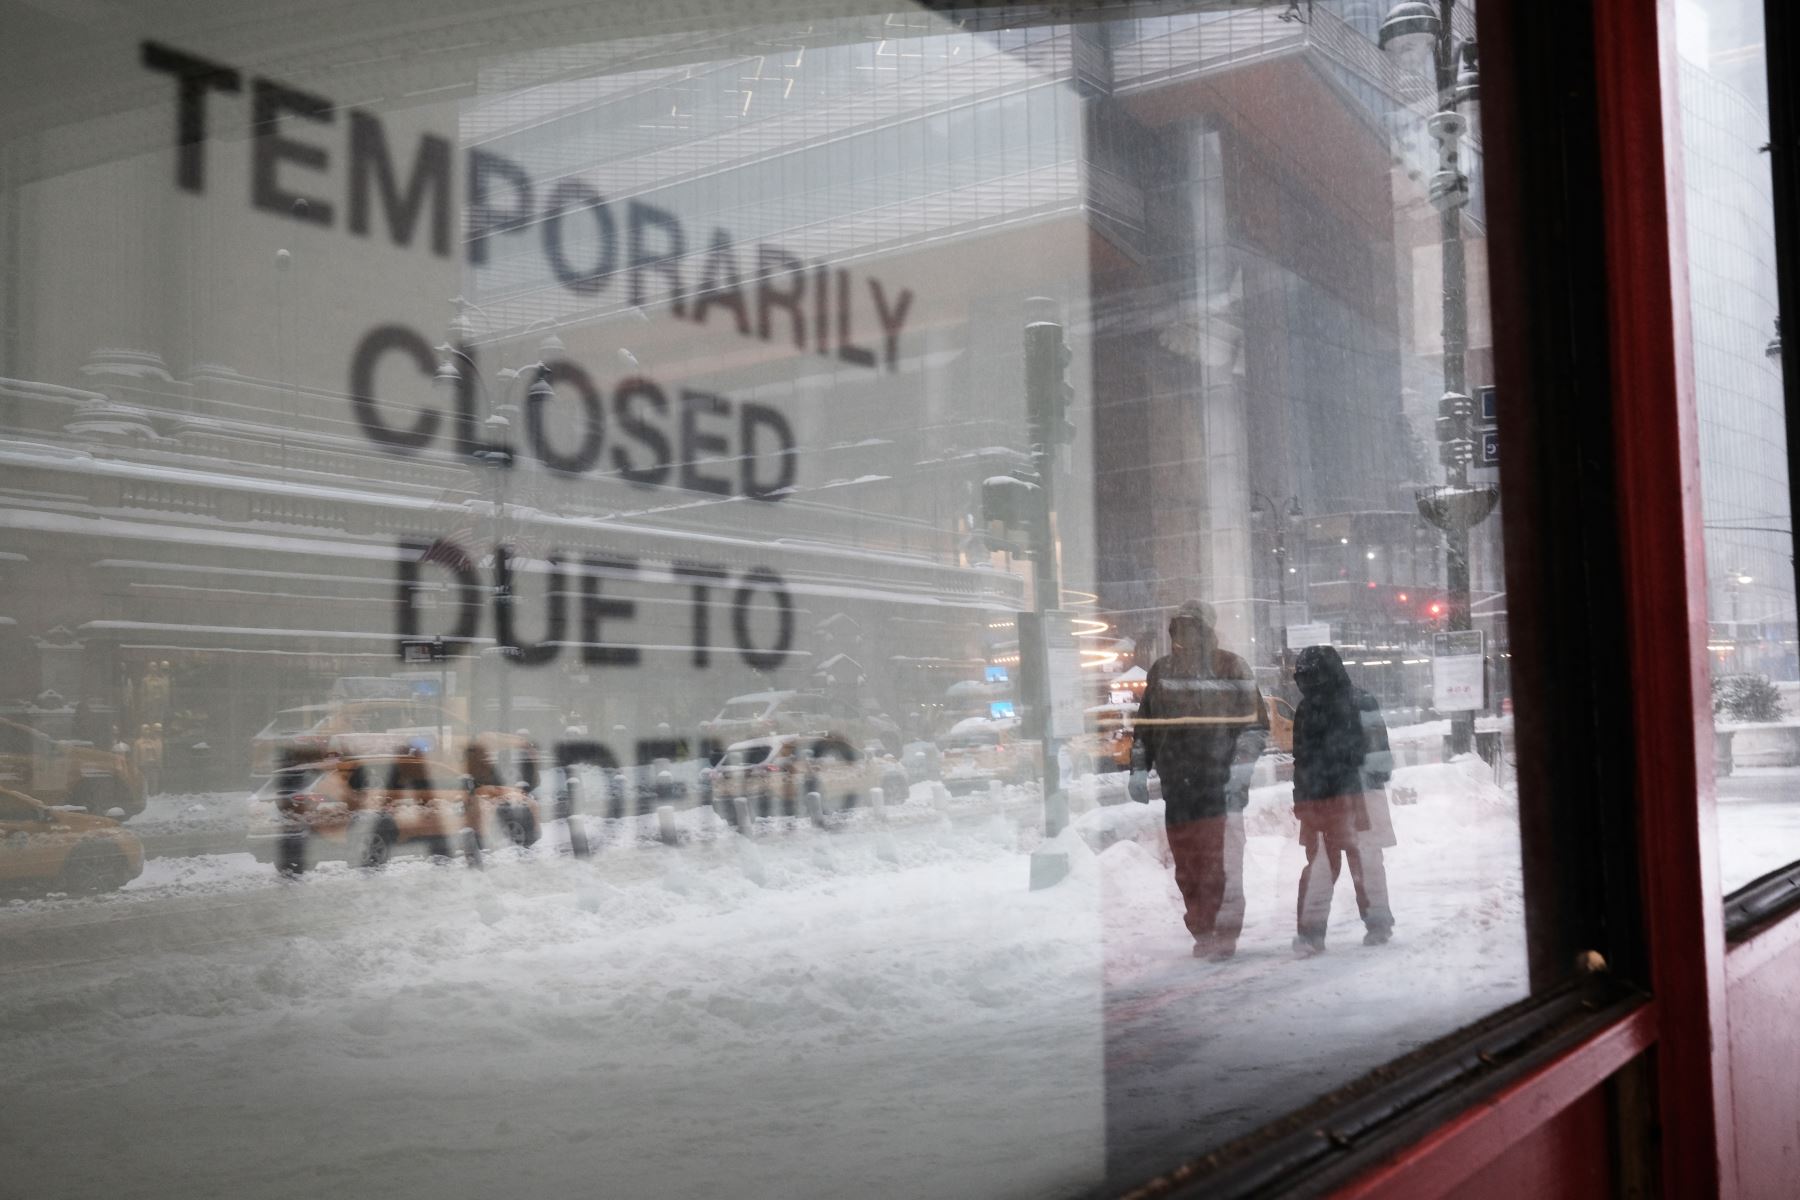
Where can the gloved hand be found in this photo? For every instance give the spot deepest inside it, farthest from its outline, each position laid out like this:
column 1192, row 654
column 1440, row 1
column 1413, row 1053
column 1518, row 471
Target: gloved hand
column 1139, row 787
column 1237, row 788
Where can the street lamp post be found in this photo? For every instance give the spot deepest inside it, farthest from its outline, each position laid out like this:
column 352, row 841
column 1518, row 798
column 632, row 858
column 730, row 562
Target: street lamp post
column 1262, row 506
column 1455, row 507
column 1738, row 580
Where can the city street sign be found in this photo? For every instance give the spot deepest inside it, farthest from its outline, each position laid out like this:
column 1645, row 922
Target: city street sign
column 1458, row 670
column 1062, row 659
column 1490, row 448
column 1485, row 400
column 419, row 651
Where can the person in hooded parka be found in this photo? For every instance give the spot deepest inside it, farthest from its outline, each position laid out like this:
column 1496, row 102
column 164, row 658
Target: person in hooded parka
column 1341, row 769
column 1202, row 724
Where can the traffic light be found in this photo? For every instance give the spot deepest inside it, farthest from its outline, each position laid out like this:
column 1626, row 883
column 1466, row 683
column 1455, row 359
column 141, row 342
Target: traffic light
column 1012, row 512
column 1456, row 430
column 1048, row 392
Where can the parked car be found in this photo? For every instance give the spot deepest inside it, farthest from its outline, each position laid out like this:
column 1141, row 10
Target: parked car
column 72, row 773
column 289, row 729
column 764, row 714
column 48, row 849
column 366, row 808
column 378, row 726
column 774, row 774
column 979, row 750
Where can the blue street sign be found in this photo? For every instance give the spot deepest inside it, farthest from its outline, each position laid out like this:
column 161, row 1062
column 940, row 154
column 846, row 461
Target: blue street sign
column 1485, row 399
column 1490, row 448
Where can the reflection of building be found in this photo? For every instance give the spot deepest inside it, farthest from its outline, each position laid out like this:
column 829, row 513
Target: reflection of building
column 1731, row 264
column 1292, row 378
column 190, row 477
column 194, row 492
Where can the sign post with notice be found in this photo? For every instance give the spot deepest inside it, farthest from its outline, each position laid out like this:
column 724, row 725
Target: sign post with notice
column 421, row 652
column 1458, row 670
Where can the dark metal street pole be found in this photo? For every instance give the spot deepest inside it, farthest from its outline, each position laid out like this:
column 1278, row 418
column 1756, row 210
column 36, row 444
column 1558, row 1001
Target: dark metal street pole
column 1280, row 516
column 1455, row 338
column 1455, row 507
column 503, row 594
column 1047, row 400
column 1281, row 574
column 1046, row 592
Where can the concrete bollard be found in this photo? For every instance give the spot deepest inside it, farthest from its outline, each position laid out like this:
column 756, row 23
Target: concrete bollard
column 750, row 862
column 740, row 808
column 578, row 838
column 665, row 824
column 815, row 808
column 878, row 802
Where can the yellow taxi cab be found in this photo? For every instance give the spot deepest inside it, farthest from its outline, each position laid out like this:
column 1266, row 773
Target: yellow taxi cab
column 1281, row 725
column 978, row 750
column 774, row 773
column 74, row 773
column 363, row 809
column 1105, row 745
column 44, row 848
column 356, row 727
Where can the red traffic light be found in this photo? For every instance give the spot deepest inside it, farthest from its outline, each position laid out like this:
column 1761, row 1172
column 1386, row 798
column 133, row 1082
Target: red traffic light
column 1434, row 609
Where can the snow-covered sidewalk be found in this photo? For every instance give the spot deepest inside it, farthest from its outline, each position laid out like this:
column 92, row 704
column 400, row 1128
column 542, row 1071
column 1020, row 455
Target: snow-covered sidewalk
column 879, row 1010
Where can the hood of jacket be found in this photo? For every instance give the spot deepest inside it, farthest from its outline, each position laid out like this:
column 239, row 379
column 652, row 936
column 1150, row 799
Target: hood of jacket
column 1320, row 671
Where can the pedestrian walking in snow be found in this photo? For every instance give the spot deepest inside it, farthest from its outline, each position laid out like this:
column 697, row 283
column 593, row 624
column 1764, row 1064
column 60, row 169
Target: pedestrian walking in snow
column 1341, row 769
column 1201, row 725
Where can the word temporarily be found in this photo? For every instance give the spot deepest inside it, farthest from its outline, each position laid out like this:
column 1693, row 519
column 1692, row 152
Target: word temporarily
column 596, row 610
column 586, row 240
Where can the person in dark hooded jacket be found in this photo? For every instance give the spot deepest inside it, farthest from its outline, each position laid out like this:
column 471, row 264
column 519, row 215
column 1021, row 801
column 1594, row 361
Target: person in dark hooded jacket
column 1341, row 769
column 1202, row 724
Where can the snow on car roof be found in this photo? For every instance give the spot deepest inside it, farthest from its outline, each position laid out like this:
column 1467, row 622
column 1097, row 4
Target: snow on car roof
column 980, row 724
column 757, row 698
column 771, row 741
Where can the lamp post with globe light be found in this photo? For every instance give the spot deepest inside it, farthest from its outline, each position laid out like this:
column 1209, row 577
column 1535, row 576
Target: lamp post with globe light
column 1413, row 27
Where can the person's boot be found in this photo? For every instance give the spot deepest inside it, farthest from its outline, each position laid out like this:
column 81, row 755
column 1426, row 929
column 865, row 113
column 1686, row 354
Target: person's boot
column 1223, row 948
column 1378, row 935
column 1308, row 945
column 1206, row 945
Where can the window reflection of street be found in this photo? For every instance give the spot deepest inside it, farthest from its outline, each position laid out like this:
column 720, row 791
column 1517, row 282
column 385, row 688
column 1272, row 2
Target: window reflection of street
column 916, row 357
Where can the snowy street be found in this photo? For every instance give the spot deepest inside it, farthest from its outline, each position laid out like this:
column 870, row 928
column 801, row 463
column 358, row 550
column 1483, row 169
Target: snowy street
column 888, row 1001
column 1759, row 823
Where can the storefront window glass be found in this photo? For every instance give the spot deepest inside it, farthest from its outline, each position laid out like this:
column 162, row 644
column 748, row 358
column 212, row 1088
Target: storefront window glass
column 773, row 606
